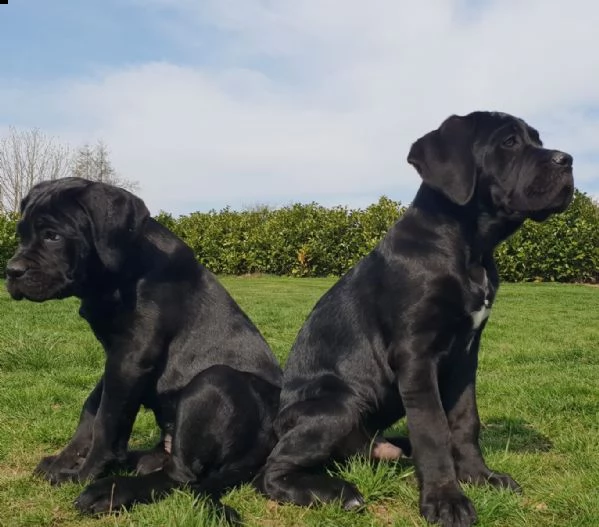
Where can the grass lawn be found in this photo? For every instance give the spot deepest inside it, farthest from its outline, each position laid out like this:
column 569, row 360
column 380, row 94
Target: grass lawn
column 538, row 397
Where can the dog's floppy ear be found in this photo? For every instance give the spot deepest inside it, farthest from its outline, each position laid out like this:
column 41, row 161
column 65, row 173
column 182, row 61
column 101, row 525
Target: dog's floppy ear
column 116, row 218
column 534, row 134
column 444, row 158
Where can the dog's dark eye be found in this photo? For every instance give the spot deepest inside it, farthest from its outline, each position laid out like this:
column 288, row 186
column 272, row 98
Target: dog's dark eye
column 51, row 236
column 510, row 141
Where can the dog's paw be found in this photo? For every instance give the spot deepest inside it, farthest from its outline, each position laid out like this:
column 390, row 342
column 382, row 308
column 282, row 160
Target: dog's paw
column 448, row 507
column 487, row 477
column 85, row 473
column 51, row 466
column 44, row 467
column 150, row 461
column 503, row 481
column 90, row 470
column 306, row 489
column 101, row 497
column 351, row 498
column 327, row 489
column 402, row 443
column 58, row 477
column 231, row 516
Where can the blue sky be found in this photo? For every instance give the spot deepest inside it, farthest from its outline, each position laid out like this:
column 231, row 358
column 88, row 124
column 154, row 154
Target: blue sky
column 240, row 102
column 47, row 40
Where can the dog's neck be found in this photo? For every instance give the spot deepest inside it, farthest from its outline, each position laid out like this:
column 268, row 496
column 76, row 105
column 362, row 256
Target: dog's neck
column 103, row 284
column 477, row 224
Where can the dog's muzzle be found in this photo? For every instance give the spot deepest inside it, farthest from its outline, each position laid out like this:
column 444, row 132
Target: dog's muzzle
column 16, row 268
column 27, row 279
column 562, row 163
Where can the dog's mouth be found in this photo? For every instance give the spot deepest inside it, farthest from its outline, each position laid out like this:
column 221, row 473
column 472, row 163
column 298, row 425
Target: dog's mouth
column 37, row 287
column 564, row 197
column 13, row 290
column 558, row 202
column 543, row 197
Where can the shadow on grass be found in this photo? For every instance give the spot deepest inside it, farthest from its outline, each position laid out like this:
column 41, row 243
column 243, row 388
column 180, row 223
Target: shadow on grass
column 498, row 434
column 512, row 435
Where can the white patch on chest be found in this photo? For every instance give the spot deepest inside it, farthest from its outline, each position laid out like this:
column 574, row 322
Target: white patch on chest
column 478, row 317
column 481, row 314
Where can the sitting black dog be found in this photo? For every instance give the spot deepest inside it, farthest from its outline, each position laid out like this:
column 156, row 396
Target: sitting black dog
column 399, row 334
column 175, row 342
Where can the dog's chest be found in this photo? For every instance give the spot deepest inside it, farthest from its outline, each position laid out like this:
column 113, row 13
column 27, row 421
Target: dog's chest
column 481, row 314
column 482, row 297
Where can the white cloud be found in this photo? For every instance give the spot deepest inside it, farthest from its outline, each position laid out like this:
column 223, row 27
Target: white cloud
column 321, row 100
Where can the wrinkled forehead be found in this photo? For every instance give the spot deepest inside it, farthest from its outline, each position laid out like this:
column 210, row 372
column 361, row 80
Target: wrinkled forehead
column 50, row 193
column 37, row 201
column 495, row 125
column 46, row 207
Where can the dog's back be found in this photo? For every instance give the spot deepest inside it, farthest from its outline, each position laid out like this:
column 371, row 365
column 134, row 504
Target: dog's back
column 199, row 323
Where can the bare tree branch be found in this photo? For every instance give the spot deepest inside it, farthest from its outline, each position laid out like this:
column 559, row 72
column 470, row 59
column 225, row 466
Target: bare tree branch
column 26, row 158
column 29, row 156
column 94, row 163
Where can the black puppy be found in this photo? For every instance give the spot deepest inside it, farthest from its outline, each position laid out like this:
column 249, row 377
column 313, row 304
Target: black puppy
column 399, row 334
column 175, row 342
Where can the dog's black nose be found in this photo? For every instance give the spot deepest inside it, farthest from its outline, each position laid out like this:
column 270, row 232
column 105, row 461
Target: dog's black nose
column 16, row 269
column 561, row 158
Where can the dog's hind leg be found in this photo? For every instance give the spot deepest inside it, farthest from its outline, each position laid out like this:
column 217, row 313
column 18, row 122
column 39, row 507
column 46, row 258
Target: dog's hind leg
column 377, row 447
column 145, row 461
column 223, row 434
column 291, row 472
column 216, row 483
column 390, row 448
column 111, row 494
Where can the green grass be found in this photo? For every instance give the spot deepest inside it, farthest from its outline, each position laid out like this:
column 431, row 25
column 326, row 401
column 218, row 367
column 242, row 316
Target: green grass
column 538, row 398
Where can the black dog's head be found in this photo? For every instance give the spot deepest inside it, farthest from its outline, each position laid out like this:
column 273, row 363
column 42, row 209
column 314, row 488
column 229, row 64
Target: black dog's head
column 72, row 230
column 499, row 159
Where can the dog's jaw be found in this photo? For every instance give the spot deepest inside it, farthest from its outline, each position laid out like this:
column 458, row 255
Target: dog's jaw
column 13, row 290
column 39, row 290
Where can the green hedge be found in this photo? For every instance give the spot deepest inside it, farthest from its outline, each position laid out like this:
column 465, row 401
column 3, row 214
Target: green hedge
column 8, row 239
column 311, row 240
column 565, row 248
column 299, row 240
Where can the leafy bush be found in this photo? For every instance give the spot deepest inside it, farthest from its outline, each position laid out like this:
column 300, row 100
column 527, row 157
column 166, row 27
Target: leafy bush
column 8, row 239
column 565, row 248
column 311, row 240
column 298, row 240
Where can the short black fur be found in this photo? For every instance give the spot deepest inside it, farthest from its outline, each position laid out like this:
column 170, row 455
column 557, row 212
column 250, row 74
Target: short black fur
column 175, row 342
column 399, row 334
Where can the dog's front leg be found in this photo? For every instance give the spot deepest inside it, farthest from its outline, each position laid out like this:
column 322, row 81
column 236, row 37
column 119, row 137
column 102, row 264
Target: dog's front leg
column 124, row 382
column 458, row 393
column 75, row 452
column 441, row 500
